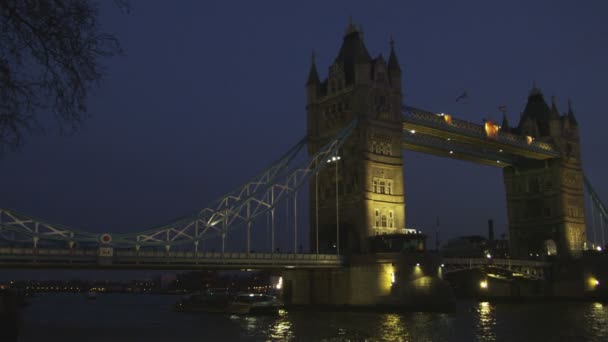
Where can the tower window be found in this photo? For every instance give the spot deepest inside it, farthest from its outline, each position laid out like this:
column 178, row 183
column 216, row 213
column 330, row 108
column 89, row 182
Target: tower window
column 383, row 221
column 375, row 185
column 381, row 187
column 389, row 187
column 390, row 219
column 377, row 221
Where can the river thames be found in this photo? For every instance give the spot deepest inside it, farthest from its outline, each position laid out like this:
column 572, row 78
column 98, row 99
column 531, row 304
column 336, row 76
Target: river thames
column 125, row 317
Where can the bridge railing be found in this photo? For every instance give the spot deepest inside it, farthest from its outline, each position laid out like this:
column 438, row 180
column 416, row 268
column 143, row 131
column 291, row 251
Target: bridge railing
column 130, row 256
column 498, row 262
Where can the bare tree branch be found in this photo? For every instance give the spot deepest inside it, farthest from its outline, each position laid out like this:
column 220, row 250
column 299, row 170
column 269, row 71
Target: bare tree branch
column 49, row 59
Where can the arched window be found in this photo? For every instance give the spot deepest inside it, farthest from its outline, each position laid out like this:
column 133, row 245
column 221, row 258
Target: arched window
column 390, row 219
column 381, row 187
column 375, row 185
column 383, row 221
column 389, row 187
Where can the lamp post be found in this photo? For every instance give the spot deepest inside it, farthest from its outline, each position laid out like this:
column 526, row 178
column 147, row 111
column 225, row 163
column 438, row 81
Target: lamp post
column 336, row 159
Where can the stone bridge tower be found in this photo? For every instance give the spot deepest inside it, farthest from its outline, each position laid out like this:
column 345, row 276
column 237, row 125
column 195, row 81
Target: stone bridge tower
column 371, row 198
column 545, row 200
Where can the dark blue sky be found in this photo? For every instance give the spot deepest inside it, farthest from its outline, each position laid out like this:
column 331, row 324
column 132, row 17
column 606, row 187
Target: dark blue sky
column 209, row 93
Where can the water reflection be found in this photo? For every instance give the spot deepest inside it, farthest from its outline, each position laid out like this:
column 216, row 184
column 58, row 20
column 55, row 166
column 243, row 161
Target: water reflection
column 281, row 329
column 596, row 317
column 393, row 328
column 486, row 322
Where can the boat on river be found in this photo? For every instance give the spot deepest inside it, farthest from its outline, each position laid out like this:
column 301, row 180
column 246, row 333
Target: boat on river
column 222, row 301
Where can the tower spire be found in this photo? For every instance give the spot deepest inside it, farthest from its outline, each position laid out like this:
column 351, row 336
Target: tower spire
column 571, row 117
column 505, row 123
column 313, row 76
column 393, row 63
column 554, row 110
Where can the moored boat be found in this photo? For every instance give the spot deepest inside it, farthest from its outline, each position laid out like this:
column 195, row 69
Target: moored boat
column 257, row 303
column 222, row 301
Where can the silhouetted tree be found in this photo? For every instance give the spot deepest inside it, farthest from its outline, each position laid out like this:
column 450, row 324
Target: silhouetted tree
column 49, row 58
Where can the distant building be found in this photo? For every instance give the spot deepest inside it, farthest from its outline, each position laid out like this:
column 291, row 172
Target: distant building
column 475, row 246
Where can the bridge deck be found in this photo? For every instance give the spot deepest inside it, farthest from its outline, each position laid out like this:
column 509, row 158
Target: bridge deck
column 123, row 259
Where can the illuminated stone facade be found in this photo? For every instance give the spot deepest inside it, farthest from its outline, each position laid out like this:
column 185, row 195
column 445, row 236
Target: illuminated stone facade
column 370, row 169
column 545, row 198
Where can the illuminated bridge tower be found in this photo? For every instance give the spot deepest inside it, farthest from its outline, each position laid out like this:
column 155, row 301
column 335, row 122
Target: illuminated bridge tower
column 545, row 198
column 371, row 199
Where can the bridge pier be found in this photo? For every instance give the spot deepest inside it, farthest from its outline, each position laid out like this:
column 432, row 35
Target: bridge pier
column 389, row 281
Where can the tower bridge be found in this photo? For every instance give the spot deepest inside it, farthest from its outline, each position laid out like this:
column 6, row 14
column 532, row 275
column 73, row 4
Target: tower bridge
column 351, row 163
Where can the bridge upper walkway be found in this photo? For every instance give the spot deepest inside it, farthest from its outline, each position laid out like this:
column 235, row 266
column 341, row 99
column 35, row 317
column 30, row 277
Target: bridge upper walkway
column 444, row 135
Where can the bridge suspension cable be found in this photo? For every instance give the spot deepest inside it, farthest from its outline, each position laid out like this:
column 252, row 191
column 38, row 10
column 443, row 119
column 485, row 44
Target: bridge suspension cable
column 256, row 198
column 596, row 206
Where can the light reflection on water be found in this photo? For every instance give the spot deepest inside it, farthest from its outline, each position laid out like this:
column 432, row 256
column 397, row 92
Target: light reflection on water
column 72, row 318
column 393, row 328
column 281, row 328
column 596, row 316
column 485, row 322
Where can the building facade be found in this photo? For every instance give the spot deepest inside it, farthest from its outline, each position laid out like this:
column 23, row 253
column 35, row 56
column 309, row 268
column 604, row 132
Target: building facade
column 545, row 199
column 369, row 177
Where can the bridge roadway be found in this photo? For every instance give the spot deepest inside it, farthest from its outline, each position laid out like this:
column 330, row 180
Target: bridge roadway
column 17, row 257
column 11, row 257
column 531, row 269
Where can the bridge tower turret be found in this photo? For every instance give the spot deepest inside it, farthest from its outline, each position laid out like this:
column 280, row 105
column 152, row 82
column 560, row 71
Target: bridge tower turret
column 545, row 199
column 370, row 168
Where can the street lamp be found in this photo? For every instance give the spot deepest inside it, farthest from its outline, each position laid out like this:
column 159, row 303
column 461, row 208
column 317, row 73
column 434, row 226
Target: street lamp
column 335, row 159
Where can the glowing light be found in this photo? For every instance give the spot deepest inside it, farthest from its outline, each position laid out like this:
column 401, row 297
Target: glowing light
column 449, row 139
column 489, row 256
column 442, row 265
column 529, row 139
column 483, row 284
column 413, row 131
column 447, row 118
column 598, row 248
column 279, row 283
column 593, row 282
column 451, row 152
column 498, row 161
column 491, row 129
column 417, row 264
column 392, row 278
column 500, row 150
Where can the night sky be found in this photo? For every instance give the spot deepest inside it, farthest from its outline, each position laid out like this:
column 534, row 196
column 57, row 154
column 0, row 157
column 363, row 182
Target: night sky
column 208, row 94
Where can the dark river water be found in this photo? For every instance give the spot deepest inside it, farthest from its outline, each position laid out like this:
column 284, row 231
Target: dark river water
column 123, row 317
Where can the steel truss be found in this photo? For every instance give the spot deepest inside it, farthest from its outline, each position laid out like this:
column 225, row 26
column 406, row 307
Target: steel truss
column 240, row 207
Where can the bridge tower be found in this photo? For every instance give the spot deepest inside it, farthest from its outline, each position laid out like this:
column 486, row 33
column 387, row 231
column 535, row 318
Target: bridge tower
column 370, row 191
column 545, row 200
